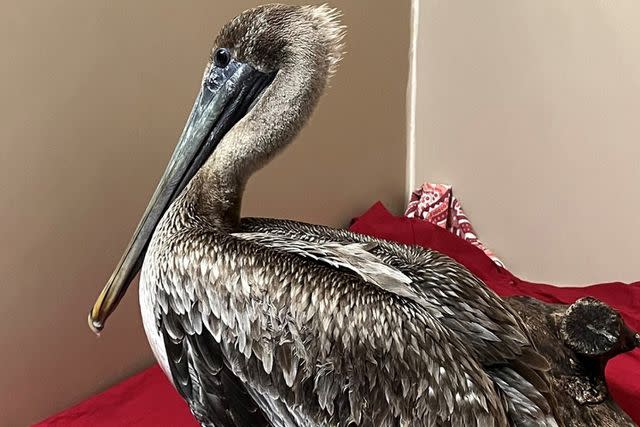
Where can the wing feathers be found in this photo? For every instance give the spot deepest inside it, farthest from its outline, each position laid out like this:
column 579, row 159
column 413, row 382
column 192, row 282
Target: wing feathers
column 490, row 328
column 354, row 257
column 215, row 395
column 316, row 343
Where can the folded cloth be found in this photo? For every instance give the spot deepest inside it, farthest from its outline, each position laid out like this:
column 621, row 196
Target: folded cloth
column 149, row 399
column 437, row 204
column 622, row 373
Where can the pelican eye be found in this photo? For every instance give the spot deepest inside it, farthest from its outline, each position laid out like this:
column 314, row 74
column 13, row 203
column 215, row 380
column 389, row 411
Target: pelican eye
column 221, row 57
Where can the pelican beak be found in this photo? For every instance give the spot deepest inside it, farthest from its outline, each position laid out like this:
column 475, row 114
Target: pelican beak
column 224, row 98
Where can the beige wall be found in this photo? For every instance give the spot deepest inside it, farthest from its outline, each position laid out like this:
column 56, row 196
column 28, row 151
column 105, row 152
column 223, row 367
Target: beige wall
column 93, row 97
column 531, row 110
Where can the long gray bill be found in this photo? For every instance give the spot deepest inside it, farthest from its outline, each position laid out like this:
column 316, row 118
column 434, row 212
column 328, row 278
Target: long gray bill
column 224, row 98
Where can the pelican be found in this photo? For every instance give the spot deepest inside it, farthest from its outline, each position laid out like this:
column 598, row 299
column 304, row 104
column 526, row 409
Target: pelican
column 278, row 323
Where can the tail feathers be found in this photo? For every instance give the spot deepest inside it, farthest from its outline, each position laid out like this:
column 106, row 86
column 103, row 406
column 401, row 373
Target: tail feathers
column 526, row 406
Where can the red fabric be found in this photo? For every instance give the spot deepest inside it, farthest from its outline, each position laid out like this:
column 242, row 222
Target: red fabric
column 437, row 204
column 148, row 399
column 145, row 400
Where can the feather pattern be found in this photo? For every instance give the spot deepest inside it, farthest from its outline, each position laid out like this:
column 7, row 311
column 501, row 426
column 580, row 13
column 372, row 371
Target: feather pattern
column 354, row 257
column 312, row 344
column 483, row 321
column 197, row 368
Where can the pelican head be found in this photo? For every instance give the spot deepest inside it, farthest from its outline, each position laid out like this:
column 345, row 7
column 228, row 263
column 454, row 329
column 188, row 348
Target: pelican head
column 267, row 69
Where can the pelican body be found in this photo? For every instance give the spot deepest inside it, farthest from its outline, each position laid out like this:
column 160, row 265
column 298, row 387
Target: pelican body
column 277, row 323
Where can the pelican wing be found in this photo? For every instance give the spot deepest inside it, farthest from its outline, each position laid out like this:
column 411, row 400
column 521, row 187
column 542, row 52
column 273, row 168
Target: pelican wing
column 314, row 342
column 451, row 293
column 464, row 303
column 215, row 395
column 353, row 257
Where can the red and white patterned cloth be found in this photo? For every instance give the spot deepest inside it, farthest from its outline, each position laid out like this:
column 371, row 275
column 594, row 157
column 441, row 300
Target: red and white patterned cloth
column 437, row 204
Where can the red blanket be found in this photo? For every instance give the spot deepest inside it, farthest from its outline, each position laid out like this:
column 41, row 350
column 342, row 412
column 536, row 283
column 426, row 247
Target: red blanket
column 148, row 399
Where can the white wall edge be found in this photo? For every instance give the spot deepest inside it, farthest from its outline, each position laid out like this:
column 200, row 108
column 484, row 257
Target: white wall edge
column 411, row 101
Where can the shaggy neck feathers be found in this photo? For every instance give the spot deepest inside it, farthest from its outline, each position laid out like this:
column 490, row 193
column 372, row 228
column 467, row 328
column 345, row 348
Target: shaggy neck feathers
column 309, row 58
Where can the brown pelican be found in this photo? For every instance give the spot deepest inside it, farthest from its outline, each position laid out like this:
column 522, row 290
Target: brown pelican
column 280, row 323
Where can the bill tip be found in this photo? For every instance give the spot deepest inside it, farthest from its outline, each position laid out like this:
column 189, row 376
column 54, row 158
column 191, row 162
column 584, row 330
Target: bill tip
column 95, row 325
